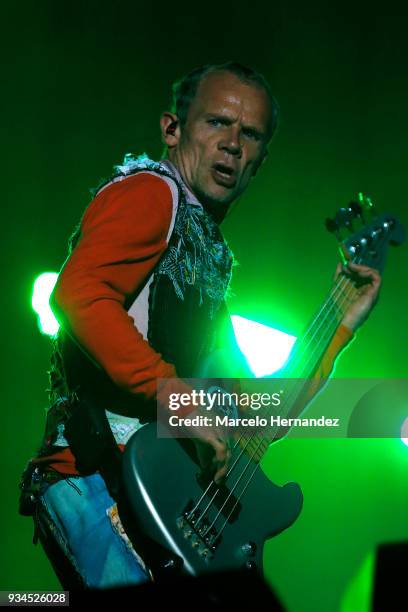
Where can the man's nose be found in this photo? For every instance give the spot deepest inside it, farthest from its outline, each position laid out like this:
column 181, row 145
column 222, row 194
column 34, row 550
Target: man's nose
column 231, row 143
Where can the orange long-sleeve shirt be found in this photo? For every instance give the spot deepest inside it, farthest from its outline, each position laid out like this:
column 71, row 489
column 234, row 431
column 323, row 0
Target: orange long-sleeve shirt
column 123, row 235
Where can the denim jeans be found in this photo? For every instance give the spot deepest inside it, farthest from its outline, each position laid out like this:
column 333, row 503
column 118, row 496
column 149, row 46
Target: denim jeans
column 79, row 508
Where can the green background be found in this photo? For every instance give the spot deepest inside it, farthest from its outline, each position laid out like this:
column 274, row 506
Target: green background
column 84, row 83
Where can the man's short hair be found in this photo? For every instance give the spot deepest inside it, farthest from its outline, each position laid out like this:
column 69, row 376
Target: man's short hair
column 185, row 89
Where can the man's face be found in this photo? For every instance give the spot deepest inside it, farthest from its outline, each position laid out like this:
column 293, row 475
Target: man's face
column 224, row 139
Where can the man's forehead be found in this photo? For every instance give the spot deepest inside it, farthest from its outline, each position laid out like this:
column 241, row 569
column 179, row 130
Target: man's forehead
column 223, row 92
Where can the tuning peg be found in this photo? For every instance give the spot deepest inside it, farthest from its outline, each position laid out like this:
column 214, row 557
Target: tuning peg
column 366, row 203
column 344, row 217
column 356, row 208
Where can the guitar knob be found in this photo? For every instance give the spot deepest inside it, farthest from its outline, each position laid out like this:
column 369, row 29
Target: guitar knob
column 365, row 240
column 195, row 542
column 248, row 549
column 354, row 248
column 250, row 565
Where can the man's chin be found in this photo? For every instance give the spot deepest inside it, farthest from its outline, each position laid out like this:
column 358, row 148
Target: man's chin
column 218, row 195
column 216, row 207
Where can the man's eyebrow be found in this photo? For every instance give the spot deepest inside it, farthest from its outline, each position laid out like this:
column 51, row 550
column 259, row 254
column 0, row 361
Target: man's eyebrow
column 227, row 119
column 218, row 115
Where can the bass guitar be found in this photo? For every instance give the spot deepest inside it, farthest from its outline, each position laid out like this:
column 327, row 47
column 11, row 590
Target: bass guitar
column 199, row 526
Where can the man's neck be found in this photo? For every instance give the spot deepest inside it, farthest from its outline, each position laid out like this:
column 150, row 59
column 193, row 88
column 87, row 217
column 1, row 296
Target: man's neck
column 216, row 211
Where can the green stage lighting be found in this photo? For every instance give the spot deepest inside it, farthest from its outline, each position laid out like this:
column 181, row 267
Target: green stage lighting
column 43, row 286
column 265, row 348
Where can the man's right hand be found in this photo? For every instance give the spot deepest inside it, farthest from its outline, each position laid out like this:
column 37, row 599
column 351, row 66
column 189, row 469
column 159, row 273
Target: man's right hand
column 214, row 455
column 211, row 441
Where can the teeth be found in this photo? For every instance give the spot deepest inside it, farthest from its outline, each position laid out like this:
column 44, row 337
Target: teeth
column 223, row 170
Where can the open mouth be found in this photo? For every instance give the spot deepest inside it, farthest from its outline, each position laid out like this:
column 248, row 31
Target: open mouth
column 223, row 169
column 224, row 175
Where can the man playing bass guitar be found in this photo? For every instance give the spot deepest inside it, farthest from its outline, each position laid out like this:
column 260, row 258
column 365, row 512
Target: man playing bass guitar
column 141, row 297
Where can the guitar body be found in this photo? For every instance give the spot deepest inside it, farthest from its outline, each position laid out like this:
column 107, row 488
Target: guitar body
column 162, row 485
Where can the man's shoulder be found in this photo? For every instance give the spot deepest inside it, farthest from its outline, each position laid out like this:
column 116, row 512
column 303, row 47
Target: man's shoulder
column 140, row 173
column 144, row 192
column 141, row 181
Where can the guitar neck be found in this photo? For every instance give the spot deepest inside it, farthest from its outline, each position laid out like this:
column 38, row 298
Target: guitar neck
column 304, row 359
column 368, row 246
column 309, row 349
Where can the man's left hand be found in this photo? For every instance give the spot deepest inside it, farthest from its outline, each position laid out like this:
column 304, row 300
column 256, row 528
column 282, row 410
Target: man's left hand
column 364, row 296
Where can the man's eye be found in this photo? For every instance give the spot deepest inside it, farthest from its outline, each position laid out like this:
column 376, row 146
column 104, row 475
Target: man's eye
column 250, row 134
column 214, row 122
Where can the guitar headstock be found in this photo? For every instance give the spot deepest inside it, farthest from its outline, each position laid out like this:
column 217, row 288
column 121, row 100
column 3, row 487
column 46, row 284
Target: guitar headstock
column 369, row 234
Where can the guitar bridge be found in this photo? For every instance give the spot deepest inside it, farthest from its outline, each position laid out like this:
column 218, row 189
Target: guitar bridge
column 202, row 536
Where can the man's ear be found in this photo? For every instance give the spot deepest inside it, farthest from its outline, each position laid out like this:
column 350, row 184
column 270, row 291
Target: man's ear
column 170, row 129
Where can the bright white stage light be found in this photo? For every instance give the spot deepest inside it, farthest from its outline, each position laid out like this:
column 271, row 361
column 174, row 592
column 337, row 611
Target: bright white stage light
column 265, row 348
column 42, row 289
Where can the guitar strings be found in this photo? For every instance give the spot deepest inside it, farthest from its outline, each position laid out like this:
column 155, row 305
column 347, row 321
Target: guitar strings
column 256, row 463
column 333, row 306
column 330, row 298
column 309, row 366
column 249, row 462
column 343, row 281
column 334, row 289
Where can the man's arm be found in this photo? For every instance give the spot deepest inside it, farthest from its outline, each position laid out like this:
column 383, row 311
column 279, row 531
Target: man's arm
column 124, row 232
column 123, row 235
column 362, row 299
